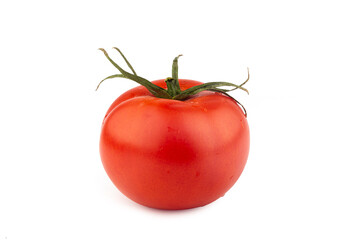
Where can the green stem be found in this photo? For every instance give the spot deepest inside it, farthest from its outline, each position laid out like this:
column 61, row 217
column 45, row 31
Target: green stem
column 175, row 76
column 172, row 87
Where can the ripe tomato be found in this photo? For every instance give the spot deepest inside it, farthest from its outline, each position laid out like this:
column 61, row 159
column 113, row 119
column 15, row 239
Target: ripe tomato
column 171, row 154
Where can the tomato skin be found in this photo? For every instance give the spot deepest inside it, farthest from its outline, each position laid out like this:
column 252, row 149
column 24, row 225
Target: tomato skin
column 171, row 154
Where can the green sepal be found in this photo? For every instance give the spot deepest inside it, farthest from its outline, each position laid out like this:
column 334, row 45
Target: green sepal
column 127, row 62
column 112, row 76
column 228, row 95
column 154, row 89
column 211, row 86
column 208, row 87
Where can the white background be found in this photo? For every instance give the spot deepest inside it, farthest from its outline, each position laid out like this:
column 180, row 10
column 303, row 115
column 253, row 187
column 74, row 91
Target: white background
column 302, row 177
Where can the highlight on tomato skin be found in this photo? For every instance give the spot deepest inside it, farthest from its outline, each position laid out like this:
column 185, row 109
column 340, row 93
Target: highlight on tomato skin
column 174, row 143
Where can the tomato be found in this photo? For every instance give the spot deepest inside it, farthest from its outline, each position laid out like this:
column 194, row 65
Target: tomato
column 172, row 154
column 172, row 143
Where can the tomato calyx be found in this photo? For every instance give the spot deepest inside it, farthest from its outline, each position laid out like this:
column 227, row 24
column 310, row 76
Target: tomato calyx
column 173, row 90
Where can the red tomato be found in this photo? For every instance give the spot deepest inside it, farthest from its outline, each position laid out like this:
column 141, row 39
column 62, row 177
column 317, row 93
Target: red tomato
column 171, row 154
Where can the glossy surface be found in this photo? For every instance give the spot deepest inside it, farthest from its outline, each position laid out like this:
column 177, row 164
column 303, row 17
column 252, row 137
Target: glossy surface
column 172, row 154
